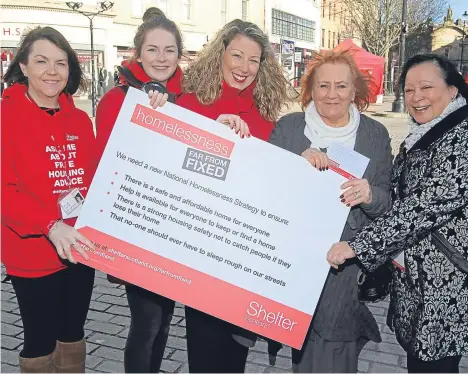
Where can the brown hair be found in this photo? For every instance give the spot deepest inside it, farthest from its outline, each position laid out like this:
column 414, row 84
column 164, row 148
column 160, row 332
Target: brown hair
column 152, row 12
column 360, row 81
column 152, row 23
column 76, row 78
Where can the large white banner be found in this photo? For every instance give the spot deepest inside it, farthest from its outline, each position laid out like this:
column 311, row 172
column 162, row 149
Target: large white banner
column 237, row 228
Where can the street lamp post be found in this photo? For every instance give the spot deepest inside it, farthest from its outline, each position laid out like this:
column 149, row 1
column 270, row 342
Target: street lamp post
column 464, row 15
column 75, row 6
column 398, row 104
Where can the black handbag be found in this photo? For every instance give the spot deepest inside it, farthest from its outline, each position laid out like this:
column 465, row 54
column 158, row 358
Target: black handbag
column 374, row 286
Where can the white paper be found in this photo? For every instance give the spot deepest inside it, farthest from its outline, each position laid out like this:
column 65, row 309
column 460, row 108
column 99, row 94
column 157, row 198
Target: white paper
column 348, row 159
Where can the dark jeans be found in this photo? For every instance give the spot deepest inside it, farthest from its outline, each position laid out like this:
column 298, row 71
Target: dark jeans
column 444, row 365
column 149, row 330
column 210, row 345
column 53, row 307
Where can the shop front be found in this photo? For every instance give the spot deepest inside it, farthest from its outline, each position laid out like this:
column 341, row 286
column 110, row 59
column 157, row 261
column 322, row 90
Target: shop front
column 74, row 27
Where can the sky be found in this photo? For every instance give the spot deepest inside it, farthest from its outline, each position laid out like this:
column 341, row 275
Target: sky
column 459, row 7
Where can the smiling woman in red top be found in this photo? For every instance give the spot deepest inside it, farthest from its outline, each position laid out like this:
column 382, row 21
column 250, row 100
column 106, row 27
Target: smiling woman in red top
column 236, row 80
column 47, row 154
column 238, row 77
column 158, row 48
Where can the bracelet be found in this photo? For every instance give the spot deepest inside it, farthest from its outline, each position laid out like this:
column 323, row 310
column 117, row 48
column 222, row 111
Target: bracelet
column 53, row 225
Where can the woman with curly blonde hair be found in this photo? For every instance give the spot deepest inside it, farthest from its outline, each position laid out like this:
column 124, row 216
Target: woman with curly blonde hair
column 237, row 76
column 237, row 81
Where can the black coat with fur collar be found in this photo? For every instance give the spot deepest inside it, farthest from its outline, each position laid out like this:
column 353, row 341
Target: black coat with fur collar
column 429, row 302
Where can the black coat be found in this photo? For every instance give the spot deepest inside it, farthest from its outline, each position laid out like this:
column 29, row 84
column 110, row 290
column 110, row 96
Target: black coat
column 429, row 302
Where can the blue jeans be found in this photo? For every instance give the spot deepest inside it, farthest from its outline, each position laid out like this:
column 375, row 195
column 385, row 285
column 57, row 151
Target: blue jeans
column 151, row 316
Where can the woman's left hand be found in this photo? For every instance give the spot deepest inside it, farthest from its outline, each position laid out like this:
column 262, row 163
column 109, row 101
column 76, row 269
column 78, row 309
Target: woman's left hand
column 339, row 253
column 357, row 192
column 157, row 98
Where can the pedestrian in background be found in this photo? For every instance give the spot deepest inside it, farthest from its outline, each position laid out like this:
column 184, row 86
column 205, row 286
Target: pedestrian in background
column 44, row 138
column 116, row 76
column 334, row 95
column 158, row 48
column 236, row 80
column 427, row 221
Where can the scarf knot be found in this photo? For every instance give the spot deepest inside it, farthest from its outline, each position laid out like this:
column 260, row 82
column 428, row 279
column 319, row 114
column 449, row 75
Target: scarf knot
column 321, row 135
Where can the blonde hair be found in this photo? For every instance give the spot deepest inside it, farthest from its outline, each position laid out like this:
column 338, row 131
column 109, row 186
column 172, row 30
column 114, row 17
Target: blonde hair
column 204, row 76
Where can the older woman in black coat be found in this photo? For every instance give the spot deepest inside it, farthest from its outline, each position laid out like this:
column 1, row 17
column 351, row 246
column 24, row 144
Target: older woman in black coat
column 333, row 93
column 427, row 226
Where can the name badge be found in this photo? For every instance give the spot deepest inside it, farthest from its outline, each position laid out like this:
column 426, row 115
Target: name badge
column 71, row 203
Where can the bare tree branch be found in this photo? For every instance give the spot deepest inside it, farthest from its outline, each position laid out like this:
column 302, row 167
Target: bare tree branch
column 378, row 22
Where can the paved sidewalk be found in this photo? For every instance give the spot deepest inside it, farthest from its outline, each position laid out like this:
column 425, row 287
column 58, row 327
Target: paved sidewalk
column 107, row 328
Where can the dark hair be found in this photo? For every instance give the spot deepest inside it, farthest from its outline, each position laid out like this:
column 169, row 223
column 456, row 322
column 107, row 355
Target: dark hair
column 152, row 23
column 447, row 69
column 76, row 78
column 152, row 12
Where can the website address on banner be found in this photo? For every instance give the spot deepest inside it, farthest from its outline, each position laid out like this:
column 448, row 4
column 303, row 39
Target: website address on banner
column 142, row 263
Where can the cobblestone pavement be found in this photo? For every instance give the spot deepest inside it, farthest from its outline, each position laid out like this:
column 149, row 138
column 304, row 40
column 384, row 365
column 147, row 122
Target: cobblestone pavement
column 109, row 318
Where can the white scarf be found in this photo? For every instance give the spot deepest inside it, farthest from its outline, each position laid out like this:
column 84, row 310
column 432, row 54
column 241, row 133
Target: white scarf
column 321, row 135
column 416, row 131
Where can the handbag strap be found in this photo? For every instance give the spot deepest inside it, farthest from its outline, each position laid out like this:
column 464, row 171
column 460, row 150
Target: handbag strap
column 452, row 254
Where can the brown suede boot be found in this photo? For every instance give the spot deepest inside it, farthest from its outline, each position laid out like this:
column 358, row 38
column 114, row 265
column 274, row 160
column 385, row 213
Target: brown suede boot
column 44, row 364
column 70, row 357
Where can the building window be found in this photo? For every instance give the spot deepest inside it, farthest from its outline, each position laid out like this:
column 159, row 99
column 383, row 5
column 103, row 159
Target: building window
column 162, row 4
column 329, row 11
column 329, row 39
column 323, row 37
column 137, row 8
column 323, row 8
column 224, row 11
column 334, row 12
column 245, row 10
column 188, row 10
column 285, row 24
column 334, row 39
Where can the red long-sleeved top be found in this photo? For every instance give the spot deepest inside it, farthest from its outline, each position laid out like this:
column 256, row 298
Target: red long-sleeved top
column 32, row 178
column 232, row 101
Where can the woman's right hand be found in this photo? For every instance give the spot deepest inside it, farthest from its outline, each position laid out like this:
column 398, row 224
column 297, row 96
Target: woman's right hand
column 157, row 98
column 318, row 159
column 235, row 122
column 65, row 237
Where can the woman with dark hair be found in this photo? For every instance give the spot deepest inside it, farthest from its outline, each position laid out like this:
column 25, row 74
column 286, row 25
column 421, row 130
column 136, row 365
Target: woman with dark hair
column 47, row 161
column 334, row 93
column 158, row 49
column 133, row 69
column 426, row 228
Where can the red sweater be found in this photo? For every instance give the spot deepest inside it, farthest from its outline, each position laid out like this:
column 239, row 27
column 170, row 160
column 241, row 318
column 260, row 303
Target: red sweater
column 31, row 180
column 232, row 101
column 109, row 106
